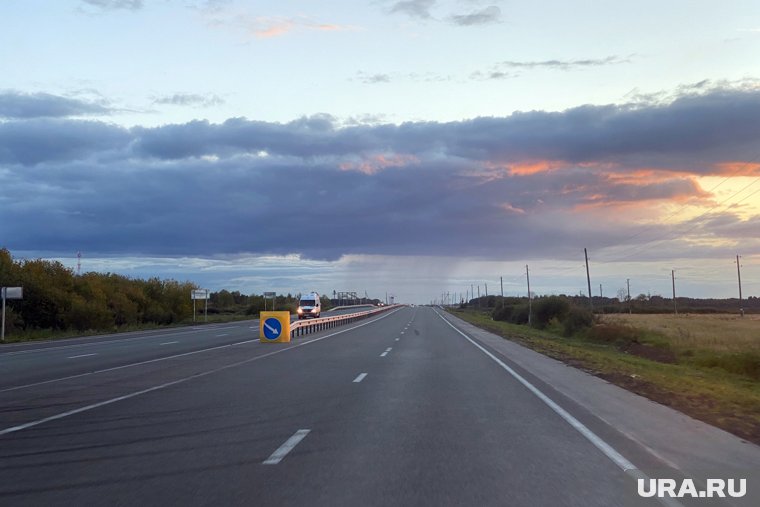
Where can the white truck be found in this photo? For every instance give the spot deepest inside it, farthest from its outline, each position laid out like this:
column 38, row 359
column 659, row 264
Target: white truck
column 309, row 306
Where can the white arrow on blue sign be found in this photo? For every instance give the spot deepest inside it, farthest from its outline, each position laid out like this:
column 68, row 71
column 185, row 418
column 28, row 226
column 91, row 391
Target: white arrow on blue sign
column 272, row 329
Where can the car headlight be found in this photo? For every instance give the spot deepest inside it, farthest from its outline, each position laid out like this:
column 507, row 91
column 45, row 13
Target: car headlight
column 300, row 310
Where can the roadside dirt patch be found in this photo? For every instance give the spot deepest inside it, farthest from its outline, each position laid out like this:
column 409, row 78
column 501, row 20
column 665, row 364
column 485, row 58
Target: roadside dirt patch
column 659, row 354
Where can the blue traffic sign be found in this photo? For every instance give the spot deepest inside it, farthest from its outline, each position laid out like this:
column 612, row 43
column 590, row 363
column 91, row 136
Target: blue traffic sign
column 272, row 328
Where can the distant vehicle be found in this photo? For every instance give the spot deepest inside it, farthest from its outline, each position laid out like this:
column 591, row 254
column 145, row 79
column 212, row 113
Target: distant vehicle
column 309, row 306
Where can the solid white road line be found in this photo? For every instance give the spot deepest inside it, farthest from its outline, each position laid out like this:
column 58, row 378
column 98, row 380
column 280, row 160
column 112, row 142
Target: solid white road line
column 81, row 355
column 223, row 334
column 625, row 465
column 285, row 448
column 174, row 382
column 169, row 343
column 360, row 377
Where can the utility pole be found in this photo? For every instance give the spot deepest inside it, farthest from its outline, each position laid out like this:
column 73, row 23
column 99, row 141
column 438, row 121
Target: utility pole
column 673, row 277
column 501, row 283
column 739, row 275
column 530, row 306
column 628, row 283
column 478, row 295
column 588, row 279
column 486, row 289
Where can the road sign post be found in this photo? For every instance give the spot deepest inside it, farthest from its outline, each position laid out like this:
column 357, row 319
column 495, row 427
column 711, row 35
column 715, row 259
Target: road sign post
column 9, row 293
column 269, row 295
column 274, row 327
column 200, row 294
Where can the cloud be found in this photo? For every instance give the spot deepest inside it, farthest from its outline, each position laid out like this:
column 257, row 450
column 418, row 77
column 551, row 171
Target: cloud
column 556, row 180
column 131, row 5
column 373, row 78
column 17, row 105
column 414, row 8
column 491, row 14
column 265, row 27
column 425, row 77
column 190, row 99
column 566, row 64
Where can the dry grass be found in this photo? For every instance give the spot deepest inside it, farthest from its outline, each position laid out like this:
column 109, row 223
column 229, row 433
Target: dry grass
column 724, row 333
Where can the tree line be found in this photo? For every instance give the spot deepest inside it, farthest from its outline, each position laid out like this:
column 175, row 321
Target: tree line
column 58, row 300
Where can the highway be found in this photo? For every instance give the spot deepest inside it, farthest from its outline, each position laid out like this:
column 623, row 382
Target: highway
column 411, row 407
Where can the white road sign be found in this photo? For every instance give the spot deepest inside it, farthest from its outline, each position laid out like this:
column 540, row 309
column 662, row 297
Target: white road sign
column 13, row 292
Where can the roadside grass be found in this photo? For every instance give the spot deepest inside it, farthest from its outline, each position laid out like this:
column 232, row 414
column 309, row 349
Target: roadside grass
column 653, row 365
column 714, row 332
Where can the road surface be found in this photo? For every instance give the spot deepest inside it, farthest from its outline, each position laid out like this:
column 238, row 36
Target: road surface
column 399, row 409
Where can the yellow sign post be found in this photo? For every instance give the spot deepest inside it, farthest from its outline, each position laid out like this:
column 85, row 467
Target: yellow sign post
column 274, row 327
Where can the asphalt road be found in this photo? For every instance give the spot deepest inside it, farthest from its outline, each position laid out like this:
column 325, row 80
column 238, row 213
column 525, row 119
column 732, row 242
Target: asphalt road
column 400, row 409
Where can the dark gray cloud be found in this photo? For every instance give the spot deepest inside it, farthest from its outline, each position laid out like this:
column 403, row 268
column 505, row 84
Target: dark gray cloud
column 414, row 8
column 321, row 190
column 17, row 105
column 490, row 14
column 131, row 5
column 36, row 141
column 190, row 99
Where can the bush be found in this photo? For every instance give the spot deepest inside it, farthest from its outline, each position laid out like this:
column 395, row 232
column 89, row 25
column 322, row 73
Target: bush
column 546, row 309
column 577, row 318
column 503, row 313
column 520, row 314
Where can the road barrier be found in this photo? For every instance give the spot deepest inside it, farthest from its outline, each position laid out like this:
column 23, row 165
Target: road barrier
column 307, row 326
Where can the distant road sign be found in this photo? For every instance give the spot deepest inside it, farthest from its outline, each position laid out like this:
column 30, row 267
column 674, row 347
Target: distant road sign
column 9, row 293
column 13, row 292
column 270, row 295
column 199, row 294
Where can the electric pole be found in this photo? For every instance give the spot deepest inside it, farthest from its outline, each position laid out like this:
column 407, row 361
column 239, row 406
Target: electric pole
column 530, row 307
column 628, row 283
column 673, row 277
column 739, row 275
column 588, row 279
column 501, row 283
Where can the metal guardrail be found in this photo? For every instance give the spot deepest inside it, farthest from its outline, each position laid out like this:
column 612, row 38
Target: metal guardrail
column 307, row 326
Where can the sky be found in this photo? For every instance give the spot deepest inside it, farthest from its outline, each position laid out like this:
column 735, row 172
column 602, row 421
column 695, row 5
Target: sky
column 411, row 147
